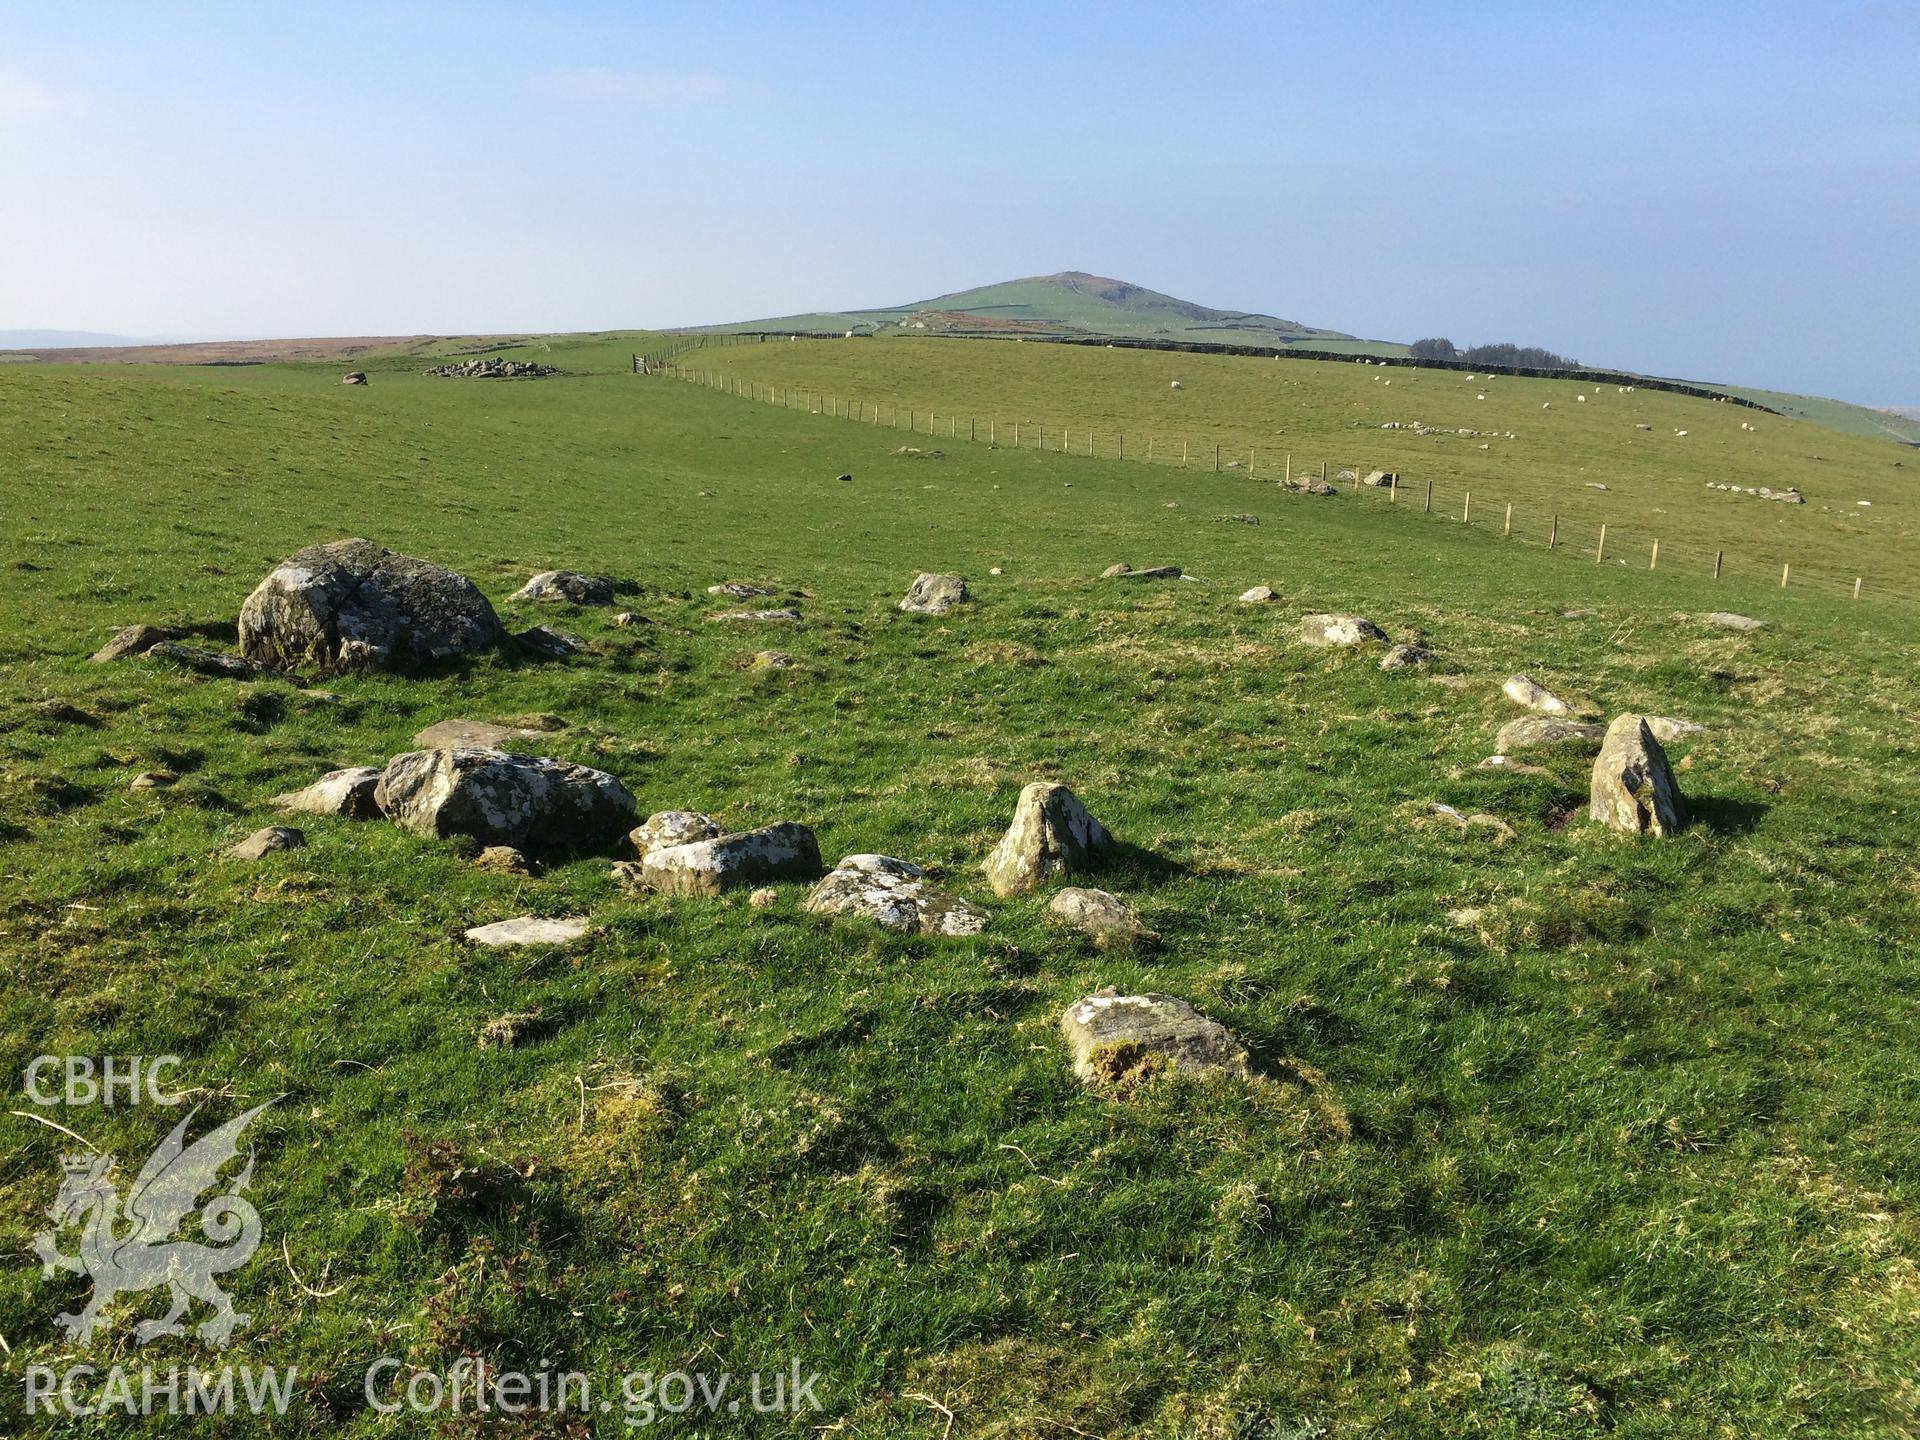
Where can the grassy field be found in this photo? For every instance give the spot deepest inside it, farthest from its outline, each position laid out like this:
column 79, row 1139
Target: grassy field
column 1570, row 1136
column 1583, row 460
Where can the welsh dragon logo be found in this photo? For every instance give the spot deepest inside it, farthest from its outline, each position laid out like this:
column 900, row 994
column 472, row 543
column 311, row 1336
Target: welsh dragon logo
column 137, row 1251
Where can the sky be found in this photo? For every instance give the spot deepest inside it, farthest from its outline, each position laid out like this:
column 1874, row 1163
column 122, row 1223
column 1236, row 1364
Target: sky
column 1719, row 191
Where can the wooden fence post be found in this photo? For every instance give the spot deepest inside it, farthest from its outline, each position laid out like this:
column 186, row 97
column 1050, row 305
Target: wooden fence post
column 1288, row 481
column 1600, row 551
column 1718, row 555
column 1553, row 535
column 1466, row 509
column 1784, row 569
column 1183, row 454
column 1654, row 563
column 1856, row 587
column 1429, row 509
column 1216, row 459
column 1507, row 529
column 971, row 423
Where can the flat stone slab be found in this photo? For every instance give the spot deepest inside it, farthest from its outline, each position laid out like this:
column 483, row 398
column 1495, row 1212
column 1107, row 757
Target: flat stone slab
column 568, row 585
column 217, row 663
column 1667, row 728
column 346, row 793
column 1124, row 1039
column 530, row 930
column 266, row 841
column 1526, row 691
column 896, row 895
column 552, row 643
column 1152, row 572
column 473, row 735
column 740, row 589
column 707, row 867
column 786, row 615
column 1258, row 595
column 1726, row 620
column 1098, row 913
column 1340, row 630
column 133, row 640
column 1531, row 731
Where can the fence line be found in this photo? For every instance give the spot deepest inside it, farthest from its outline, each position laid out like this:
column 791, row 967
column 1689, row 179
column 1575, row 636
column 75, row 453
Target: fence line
column 1561, row 533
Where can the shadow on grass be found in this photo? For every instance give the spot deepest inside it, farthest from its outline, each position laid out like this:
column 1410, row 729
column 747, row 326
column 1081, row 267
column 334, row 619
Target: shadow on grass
column 1121, row 861
column 1725, row 817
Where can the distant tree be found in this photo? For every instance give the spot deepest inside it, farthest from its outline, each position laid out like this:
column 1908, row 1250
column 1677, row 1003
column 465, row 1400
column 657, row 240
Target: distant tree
column 1434, row 349
column 1522, row 357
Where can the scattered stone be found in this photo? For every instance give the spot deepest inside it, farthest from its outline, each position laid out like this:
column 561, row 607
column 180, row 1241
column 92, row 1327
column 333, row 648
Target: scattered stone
column 530, row 930
column 474, row 735
column 133, row 640
column 354, row 377
column 672, row 827
column 896, row 896
column 1312, row 485
column 350, row 605
column 1052, row 834
column 1406, row 657
column 1666, row 729
column 995, row 570
column 503, row 799
column 568, row 585
column 706, row 867
column 1531, row 731
column 769, row 660
column 505, row 860
column 1383, row 479
column 627, row 617
column 217, row 663
column 739, row 589
column 1527, row 691
column 1127, row 572
column 766, row 897
column 265, row 841
column 1122, row 1040
column 1728, row 621
column 1240, row 519
column 493, row 368
column 1633, row 787
column 1098, row 913
column 504, row 1031
column 1339, row 630
column 786, row 615
column 347, row 793
column 932, row 594
column 152, row 780
column 552, row 643
column 847, row 478
column 1258, row 595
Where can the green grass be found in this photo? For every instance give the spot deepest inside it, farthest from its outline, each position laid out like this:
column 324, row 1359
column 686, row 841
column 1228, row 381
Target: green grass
column 1633, row 1152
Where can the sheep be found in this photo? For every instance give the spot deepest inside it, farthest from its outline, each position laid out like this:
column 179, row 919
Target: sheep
column 1680, row 432
column 1480, row 397
column 1176, row 385
column 1581, row 398
column 1546, row 405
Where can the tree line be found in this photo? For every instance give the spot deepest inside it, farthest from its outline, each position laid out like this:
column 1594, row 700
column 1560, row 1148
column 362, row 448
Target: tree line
column 1523, row 357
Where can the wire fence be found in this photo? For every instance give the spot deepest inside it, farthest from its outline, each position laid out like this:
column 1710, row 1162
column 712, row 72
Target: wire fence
column 1445, row 498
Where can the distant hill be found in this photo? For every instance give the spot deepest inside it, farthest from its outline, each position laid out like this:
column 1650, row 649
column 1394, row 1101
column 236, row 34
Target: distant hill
column 1071, row 303
column 59, row 339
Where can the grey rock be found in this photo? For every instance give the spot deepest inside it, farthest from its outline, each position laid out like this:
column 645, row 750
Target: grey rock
column 504, row 860
column 552, row 643
column 152, row 780
column 530, row 930
column 1152, row 572
column 1098, row 913
column 1667, row 729
column 1728, row 621
column 1633, row 787
column 133, row 640
column 1406, row 657
column 354, row 377
column 1258, row 595
column 503, row 799
column 474, row 735
column 568, row 585
column 896, row 895
column 770, row 660
column 347, row 793
column 217, row 663
column 667, row 828
column 932, row 594
column 1124, row 1039
column 1340, row 630
column 349, row 605
column 785, row 615
column 1052, row 834
column 1535, row 730
column 1383, row 479
column 1527, row 691
column 739, row 589
column 706, row 867
column 264, row 842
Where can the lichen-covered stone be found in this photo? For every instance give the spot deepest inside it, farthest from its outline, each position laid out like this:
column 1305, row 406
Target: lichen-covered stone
column 1529, row 692
column 1406, row 657
column 1532, row 731
column 1052, row 834
column 1340, row 630
column 530, row 930
column 504, row 799
column 1124, row 1039
column 217, row 663
column 896, row 895
column 786, row 615
column 667, row 828
column 568, row 585
column 1258, row 595
column 707, row 867
column 266, row 841
column 133, row 640
column 1097, row 913
column 347, row 793
column 350, row 605
column 932, row 594
column 1633, row 787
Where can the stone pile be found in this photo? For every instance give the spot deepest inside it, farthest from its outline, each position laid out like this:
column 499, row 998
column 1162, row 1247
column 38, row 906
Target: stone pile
column 492, row 369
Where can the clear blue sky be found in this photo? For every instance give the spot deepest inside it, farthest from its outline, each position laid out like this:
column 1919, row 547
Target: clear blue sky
column 1717, row 190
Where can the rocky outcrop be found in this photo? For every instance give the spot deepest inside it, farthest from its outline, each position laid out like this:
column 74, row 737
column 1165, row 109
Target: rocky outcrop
column 707, row 867
column 498, row 798
column 932, row 594
column 1052, row 834
column 568, row 585
column 1340, row 630
column 350, row 605
column 1633, row 788
column 896, row 895
column 346, row 793
column 1122, row 1040
column 1531, row 731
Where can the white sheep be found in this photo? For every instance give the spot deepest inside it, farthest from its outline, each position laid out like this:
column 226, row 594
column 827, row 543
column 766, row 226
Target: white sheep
column 1680, row 432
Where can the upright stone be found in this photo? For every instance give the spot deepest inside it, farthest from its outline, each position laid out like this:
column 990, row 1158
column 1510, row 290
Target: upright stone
column 1633, row 786
column 932, row 594
column 1052, row 834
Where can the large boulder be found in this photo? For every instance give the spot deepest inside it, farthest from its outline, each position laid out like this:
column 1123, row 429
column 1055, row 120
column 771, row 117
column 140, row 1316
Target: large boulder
column 1531, row 731
column 1124, row 1039
column 569, row 585
column 932, row 594
column 1052, row 834
column 350, row 605
column 785, row 851
column 526, row 801
column 346, row 793
column 1633, row 786
column 1340, row 630
column 896, row 895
